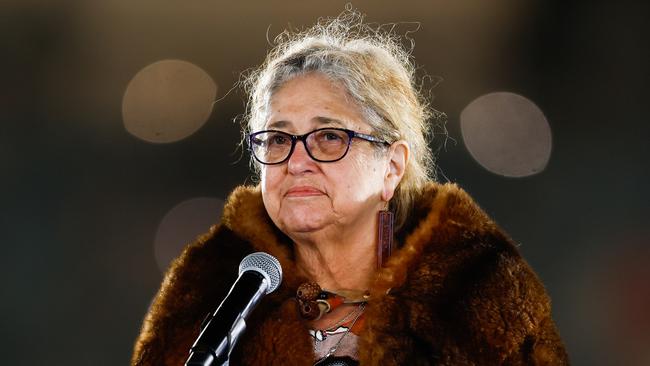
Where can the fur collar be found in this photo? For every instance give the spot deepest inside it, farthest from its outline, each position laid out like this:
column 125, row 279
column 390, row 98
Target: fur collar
column 455, row 292
column 245, row 215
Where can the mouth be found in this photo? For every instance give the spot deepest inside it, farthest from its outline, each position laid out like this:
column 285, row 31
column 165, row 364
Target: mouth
column 303, row 191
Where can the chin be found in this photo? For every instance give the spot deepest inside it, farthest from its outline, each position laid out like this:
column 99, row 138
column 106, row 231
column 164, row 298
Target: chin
column 298, row 229
column 303, row 220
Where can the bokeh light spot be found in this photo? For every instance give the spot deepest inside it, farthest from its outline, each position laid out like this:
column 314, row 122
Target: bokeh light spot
column 507, row 134
column 182, row 225
column 168, row 101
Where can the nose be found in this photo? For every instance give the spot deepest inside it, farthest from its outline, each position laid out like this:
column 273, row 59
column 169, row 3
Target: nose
column 300, row 162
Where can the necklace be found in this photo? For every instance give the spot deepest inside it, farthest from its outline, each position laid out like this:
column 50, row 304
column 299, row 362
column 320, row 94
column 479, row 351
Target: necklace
column 314, row 302
column 355, row 312
column 333, row 349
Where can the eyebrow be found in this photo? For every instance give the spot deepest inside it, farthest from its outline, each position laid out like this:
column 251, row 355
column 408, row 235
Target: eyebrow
column 320, row 119
column 277, row 124
column 329, row 121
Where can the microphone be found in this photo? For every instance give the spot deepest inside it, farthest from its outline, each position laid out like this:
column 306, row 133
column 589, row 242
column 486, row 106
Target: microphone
column 259, row 274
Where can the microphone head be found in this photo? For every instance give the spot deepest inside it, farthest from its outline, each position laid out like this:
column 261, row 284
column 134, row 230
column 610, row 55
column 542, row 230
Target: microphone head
column 266, row 265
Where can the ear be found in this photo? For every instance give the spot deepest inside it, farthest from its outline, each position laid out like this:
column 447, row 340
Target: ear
column 398, row 155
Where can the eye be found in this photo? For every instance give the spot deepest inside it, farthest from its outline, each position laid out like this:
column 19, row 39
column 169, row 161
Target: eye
column 331, row 136
column 257, row 141
column 278, row 139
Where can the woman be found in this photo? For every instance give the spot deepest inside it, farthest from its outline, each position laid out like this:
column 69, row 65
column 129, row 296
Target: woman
column 337, row 133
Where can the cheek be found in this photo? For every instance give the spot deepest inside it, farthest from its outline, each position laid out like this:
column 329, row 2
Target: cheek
column 269, row 176
column 370, row 168
column 269, row 181
column 363, row 178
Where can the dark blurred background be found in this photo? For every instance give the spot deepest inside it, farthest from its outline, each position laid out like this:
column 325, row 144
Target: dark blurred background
column 112, row 154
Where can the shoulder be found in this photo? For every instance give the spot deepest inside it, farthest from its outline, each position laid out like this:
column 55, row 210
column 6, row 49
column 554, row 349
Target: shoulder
column 460, row 242
column 203, row 274
column 463, row 279
column 446, row 231
column 449, row 208
column 194, row 282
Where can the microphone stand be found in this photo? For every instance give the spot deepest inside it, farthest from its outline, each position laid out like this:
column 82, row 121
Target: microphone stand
column 231, row 323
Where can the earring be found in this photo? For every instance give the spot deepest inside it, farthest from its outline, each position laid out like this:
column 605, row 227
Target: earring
column 385, row 242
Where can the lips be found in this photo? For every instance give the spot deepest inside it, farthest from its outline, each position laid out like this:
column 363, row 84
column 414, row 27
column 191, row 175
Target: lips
column 303, row 191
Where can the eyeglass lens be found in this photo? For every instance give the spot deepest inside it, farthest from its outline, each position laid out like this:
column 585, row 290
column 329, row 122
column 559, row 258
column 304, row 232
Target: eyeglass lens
column 324, row 145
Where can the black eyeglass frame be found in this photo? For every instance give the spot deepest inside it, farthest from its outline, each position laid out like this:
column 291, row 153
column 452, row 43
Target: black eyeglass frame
column 294, row 138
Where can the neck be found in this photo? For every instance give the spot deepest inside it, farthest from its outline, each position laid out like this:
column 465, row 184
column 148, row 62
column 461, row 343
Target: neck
column 341, row 261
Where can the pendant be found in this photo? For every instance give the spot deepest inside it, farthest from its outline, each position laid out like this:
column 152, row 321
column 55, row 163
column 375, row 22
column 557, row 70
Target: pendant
column 319, row 335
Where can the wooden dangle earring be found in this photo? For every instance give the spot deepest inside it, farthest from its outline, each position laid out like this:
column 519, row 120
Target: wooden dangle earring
column 385, row 242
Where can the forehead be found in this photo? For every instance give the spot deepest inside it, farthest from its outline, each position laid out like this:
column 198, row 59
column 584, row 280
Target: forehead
column 313, row 101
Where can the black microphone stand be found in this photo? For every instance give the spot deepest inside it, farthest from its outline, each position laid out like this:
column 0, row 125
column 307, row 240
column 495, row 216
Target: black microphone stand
column 231, row 323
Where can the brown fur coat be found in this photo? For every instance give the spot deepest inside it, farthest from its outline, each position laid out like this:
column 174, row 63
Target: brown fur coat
column 456, row 292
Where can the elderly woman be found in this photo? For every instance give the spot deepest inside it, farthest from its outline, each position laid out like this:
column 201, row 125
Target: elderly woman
column 337, row 132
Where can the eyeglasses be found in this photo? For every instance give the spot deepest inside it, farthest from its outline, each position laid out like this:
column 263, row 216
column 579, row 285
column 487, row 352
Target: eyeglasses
column 325, row 145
